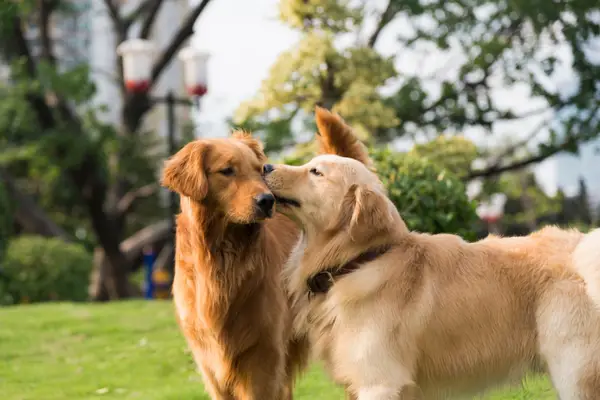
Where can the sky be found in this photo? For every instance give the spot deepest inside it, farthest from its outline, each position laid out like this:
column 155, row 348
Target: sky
column 245, row 38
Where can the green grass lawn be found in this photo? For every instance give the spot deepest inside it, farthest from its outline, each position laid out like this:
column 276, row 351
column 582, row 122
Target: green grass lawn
column 128, row 350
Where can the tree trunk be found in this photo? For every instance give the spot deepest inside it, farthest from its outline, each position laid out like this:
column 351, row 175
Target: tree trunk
column 528, row 206
column 153, row 235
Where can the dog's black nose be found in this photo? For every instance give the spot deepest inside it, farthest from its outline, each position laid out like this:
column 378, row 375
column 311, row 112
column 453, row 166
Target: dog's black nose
column 268, row 168
column 265, row 203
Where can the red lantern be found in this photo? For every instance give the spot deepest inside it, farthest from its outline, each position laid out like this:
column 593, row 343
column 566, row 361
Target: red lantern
column 492, row 211
column 137, row 57
column 195, row 71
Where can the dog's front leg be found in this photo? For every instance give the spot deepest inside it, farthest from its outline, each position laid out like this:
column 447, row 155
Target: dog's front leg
column 260, row 375
column 214, row 388
column 350, row 395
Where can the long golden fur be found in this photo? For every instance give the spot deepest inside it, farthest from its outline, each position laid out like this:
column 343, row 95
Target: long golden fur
column 435, row 317
column 229, row 299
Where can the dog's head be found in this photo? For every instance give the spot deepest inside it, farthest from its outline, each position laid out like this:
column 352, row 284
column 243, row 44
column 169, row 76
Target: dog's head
column 224, row 174
column 332, row 193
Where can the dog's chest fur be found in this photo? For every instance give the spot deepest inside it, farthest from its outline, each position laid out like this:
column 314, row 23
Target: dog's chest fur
column 349, row 336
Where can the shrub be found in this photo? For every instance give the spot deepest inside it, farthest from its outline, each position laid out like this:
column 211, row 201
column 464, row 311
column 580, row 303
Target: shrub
column 37, row 269
column 429, row 198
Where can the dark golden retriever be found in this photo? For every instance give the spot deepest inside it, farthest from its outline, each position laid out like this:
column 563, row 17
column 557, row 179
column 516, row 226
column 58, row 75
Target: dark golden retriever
column 230, row 302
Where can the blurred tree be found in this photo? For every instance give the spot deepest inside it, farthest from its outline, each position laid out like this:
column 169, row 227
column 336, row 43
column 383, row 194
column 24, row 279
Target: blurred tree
column 583, row 204
column 317, row 71
column 67, row 171
column 336, row 63
column 528, row 207
column 575, row 210
column 453, row 153
column 5, row 220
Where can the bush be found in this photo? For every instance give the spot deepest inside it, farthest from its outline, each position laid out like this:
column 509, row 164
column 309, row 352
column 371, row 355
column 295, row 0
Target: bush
column 37, row 269
column 429, row 198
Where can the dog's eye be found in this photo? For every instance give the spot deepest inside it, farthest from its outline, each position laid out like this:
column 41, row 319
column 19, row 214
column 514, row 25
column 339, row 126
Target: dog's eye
column 314, row 171
column 227, row 171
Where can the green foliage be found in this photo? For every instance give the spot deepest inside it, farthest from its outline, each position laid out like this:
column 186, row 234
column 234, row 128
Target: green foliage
column 5, row 220
column 332, row 15
column 526, row 201
column 454, row 153
column 429, row 198
column 318, row 71
column 37, row 269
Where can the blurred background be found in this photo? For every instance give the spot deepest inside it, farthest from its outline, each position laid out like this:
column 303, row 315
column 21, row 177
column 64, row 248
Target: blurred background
column 482, row 116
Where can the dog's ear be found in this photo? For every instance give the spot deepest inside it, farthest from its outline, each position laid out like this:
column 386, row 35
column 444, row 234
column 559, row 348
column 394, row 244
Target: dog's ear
column 365, row 212
column 334, row 136
column 184, row 172
column 251, row 142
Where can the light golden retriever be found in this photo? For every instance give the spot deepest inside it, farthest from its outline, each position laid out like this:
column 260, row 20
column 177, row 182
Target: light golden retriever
column 227, row 289
column 396, row 314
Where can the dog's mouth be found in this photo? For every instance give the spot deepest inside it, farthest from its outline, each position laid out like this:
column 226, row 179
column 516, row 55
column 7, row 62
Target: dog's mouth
column 283, row 201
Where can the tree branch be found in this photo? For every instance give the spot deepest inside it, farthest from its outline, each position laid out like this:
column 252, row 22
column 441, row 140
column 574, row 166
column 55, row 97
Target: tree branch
column 510, row 150
column 47, row 7
column 386, row 17
column 185, row 31
column 499, row 169
column 18, row 48
column 126, row 202
column 118, row 23
column 152, row 12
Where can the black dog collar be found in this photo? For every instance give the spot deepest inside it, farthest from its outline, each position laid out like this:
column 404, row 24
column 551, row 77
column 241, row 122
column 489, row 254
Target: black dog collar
column 322, row 281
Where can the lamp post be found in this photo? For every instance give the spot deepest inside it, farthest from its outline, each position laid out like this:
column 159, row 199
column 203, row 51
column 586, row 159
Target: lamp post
column 137, row 55
column 492, row 211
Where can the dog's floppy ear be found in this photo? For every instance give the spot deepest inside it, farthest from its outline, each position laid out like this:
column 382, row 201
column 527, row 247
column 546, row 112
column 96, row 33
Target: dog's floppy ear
column 334, row 136
column 184, row 172
column 249, row 141
column 365, row 212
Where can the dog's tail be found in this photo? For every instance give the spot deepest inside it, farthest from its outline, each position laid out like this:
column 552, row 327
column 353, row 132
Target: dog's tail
column 336, row 137
column 586, row 260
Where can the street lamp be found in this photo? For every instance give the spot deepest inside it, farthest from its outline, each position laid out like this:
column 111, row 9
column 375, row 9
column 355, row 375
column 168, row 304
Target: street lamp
column 492, row 211
column 137, row 56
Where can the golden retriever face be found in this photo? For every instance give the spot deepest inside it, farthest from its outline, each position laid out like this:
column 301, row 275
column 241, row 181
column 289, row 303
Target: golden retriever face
column 329, row 193
column 224, row 174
